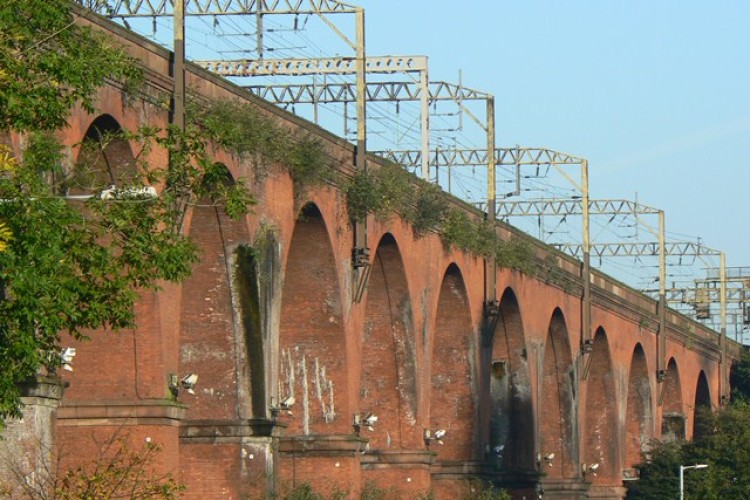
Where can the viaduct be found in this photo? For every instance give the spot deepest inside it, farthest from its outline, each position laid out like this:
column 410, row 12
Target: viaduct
column 270, row 313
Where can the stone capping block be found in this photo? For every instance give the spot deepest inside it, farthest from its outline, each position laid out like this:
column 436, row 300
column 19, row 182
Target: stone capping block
column 407, row 459
column 211, row 431
column 451, row 470
column 122, row 412
column 41, row 388
column 565, row 489
column 322, row 445
column 607, row 492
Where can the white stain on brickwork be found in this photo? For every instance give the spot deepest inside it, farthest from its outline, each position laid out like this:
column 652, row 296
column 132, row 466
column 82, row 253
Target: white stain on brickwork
column 315, row 389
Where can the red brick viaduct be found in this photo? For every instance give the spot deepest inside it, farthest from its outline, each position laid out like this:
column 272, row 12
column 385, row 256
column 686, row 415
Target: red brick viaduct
column 268, row 313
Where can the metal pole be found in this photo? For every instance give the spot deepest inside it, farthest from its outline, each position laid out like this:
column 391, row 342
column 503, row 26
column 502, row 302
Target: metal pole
column 178, row 99
column 361, row 89
column 491, row 266
column 682, row 482
column 425, row 123
column 662, row 337
column 586, row 320
column 723, row 394
column 683, row 468
column 360, row 255
column 259, row 29
column 315, row 99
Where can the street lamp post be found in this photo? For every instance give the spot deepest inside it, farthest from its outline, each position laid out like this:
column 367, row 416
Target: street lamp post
column 683, row 468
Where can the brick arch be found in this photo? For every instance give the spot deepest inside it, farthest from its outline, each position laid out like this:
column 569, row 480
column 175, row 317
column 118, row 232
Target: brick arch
column 639, row 414
column 702, row 405
column 98, row 167
column 312, row 356
column 388, row 384
column 208, row 334
column 119, row 353
column 557, row 416
column 673, row 414
column 600, row 433
column 510, row 440
column 452, row 398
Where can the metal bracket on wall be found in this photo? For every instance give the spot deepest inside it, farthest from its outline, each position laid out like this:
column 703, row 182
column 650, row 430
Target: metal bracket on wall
column 661, row 378
column 491, row 317
column 587, row 352
column 362, row 267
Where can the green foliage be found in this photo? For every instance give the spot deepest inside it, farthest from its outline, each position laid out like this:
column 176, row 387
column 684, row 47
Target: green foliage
column 301, row 492
column 245, row 131
column 44, row 152
column 429, row 209
column 659, row 476
column 362, row 195
column 516, row 254
column 49, row 62
column 390, row 190
column 466, row 235
column 724, row 446
column 740, row 376
column 479, row 490
column 371, row 491
column 383, row 192
column 307, row 163
column 238, row 128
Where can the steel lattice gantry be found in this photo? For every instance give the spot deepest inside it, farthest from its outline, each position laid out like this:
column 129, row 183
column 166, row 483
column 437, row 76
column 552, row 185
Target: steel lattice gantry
column 152, row 8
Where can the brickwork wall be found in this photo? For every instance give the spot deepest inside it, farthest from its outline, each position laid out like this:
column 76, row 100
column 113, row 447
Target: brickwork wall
column 327, row 475
column 413, row 351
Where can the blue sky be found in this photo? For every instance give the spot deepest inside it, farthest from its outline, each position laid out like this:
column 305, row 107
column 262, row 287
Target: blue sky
column 653, row 93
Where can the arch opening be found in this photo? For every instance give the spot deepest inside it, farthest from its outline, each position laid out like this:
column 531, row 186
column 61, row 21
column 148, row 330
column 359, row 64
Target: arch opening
column 673, row 426
column 388, row 383
column 223, row 278
column 600, row 443
column 510, row 439
column 454, row 350
column 702, row 408
column 105, row 159
column 557, row 415
column 639, row 416
column 312, row 353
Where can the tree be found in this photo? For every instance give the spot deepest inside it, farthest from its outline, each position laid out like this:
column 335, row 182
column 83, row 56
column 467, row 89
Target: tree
column 49, row 63
column 725, row 448
column 739, row 377
column 120, row 468
column 75, row 267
